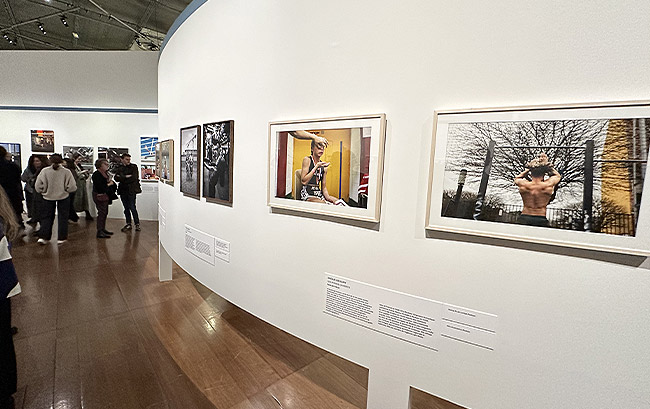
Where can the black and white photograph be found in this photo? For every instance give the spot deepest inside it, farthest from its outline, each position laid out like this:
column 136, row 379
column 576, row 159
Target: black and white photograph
column 13, row 149
column 86, row 152
column 114, row 156
column 569, row 171
column 189, row 155
column 217, row 157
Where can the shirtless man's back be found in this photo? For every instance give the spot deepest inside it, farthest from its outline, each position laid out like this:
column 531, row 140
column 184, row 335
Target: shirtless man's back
column 536, row 193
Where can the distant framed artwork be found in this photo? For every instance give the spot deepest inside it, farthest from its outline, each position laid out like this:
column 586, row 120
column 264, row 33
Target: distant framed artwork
column 165, row 161
column 14, row 150
column 570, row 175
column 114, row 156
column 217, row 156
column 148, row 172
column 86, row 152
column 42, row 141
column 331, row 166
column 148, row 148
column 189, row 156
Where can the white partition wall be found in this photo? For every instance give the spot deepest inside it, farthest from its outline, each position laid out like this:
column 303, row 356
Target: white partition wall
column 572, row 328
column 87, row 98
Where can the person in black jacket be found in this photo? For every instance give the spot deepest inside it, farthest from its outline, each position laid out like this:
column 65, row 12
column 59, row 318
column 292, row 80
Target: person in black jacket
column 102, row 191
column 129, row 186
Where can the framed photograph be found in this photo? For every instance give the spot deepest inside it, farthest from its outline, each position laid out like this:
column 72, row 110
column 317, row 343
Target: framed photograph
column 165, row 161
column 331, row 166
column 189, row 154
column 569, row 175
column 148, row 148
column 148, row 172
column 217, row 157
column 86, row 152
column 114, row 156
column 14, row 150
column 42, row 141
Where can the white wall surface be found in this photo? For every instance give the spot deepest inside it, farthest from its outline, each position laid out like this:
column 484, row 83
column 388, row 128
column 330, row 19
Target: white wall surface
column 118, row 79
column 573, row 331
column 124, row 80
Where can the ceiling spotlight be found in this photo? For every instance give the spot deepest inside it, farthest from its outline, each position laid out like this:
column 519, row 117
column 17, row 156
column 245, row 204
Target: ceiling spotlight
column 40, row 27
column 64, row 21
column 75, row 34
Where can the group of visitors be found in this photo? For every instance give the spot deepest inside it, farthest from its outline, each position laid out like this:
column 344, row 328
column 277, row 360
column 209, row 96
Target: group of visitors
column 53, row 186
column 56, row 187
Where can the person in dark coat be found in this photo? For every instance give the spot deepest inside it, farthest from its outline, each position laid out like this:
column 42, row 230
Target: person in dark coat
column 10, row 182
column 102, row 196
column 129, row 186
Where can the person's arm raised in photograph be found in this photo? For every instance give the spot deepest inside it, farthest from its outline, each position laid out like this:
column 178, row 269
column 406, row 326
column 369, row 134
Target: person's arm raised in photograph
column 554, row 178
column 522, row 177
column 304, row 135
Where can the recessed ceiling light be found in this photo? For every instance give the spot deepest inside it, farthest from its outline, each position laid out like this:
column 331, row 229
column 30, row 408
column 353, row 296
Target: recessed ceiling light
column 75, row 35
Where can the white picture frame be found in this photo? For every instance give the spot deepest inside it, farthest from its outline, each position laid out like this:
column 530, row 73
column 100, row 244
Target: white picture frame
column 358, row 160
column 458, row 136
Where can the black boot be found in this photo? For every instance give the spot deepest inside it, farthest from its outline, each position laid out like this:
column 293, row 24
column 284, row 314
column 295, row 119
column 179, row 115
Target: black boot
column 102, row 235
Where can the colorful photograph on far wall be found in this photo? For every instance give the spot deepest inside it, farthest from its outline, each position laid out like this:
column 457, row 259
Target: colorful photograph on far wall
column 42, row 141
column 14, row 150
column 190, row 143
column 86, row 152
column 148, row 148
column 217, row 157
column 165, row 161
column 114, row 156
column 330, row 166
column 148, row 172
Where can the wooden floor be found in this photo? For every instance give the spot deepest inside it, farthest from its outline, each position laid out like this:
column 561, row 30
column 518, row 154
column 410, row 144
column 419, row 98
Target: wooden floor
column 422, row 400
column 98, row 330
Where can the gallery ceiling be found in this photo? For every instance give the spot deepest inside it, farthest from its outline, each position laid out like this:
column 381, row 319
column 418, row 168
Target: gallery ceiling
column 86, row 24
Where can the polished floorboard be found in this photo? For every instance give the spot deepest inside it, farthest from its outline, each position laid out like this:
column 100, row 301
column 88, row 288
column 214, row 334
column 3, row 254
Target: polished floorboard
column 422, row 400
column 98, row 330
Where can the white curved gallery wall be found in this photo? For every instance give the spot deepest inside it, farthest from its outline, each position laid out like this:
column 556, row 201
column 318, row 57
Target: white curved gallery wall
column 572, row 328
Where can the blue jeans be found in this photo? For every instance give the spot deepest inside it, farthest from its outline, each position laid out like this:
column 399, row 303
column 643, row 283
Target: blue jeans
column 128, row 200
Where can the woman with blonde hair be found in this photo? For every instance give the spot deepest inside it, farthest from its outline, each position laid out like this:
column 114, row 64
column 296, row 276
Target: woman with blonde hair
column 9, row 287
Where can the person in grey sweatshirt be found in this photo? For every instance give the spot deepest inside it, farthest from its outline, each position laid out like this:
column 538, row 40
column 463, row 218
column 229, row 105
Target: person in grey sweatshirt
column 55, row 183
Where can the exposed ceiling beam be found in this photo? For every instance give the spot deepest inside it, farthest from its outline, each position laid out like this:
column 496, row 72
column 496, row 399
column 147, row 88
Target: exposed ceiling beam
column 12, row 17
column 34, row 20
column 137, row 32
column 83, row 13
column 151, row 6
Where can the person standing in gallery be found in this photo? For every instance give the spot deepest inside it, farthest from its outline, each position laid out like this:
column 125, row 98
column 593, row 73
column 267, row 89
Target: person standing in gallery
column 69, row 164
column 9, row 287
column 103, row 190
column 129, row 187
column 55, row 183
column 10, row 182
column 34, row 166
column 81, row 198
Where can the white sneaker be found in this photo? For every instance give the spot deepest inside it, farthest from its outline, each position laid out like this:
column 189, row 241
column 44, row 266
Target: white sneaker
column 42, row 241
column 61, row 241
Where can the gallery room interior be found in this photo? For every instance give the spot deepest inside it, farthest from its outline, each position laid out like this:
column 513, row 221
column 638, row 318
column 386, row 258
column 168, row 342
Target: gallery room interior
column 355, row 205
